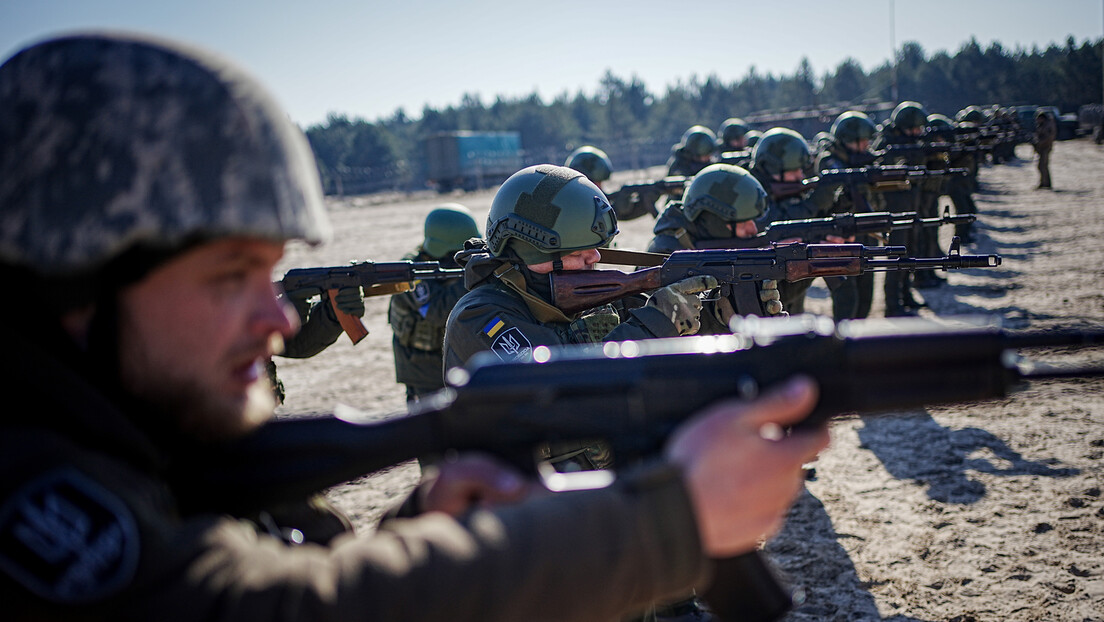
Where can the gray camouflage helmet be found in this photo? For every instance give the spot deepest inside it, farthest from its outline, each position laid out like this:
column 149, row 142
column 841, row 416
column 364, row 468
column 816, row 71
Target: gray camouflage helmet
column 111, row 142
column 726, row 191
column 592, row 162
column 447, row 227
column 781, row 149
column 544, row 212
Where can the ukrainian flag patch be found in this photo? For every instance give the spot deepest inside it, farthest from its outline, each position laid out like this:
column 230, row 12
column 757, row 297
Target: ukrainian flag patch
column 492, row 327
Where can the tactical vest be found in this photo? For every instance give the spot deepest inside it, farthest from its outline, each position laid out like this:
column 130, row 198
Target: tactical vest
column 411, row 329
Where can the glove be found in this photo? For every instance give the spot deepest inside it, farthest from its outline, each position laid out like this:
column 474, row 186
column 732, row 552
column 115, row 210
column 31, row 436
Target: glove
column 679, row 303
column 769, row 296
column 300, row 299
column 348, row 300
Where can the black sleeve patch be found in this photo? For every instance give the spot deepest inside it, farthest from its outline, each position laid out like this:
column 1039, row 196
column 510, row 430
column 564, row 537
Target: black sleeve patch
column 68, row 539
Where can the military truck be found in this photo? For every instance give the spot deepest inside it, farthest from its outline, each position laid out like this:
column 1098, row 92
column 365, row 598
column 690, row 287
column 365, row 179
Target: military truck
column 471, row 160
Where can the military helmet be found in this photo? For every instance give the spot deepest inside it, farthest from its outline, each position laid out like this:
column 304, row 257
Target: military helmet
column 726, row 191
column 112, row 142
column 753, row 137
column 970, row 114
column 908, row 115
column 731, row 130
column 940, row 121
column 544, row 212
column 698, row 141
column 592, row 162
column 447, row 227
column 781, row 149
column 853, row 126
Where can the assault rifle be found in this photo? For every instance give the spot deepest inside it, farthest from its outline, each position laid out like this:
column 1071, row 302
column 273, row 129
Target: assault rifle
column 633, row 395
column 634, row 200
column 376, row 278
column 934, row 148
column 743, row 269
column 739, row 158
column 842, row 225
column 879, row 178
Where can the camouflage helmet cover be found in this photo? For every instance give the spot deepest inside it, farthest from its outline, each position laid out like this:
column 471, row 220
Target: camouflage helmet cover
column 698, row 140
column 592, row 162
column 727, row 191
column 853, row 126
column 544, row 212
column 447, row 227
column 110, row 141
column 908, row 115
column 781, row 149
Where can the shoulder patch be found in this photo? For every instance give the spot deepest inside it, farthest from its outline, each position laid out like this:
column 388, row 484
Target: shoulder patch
column 512, row 345
column 68, row 539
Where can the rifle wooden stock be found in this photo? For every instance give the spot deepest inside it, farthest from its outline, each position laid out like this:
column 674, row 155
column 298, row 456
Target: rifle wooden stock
column 580, row 290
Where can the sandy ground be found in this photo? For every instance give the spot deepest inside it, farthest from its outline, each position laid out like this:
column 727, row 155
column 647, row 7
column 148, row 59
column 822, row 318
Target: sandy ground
column 988, row 511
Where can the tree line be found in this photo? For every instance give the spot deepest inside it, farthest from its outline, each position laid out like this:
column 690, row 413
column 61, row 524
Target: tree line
column 637, row 127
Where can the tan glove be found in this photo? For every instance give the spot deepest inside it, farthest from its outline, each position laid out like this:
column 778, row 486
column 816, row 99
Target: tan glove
column 769, row 296
column 679, row 302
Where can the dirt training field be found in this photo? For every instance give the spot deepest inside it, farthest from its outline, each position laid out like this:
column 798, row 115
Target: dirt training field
column 982, row 512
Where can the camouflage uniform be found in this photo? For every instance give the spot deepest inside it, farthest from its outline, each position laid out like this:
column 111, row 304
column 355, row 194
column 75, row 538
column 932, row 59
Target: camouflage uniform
column 1046, row 132
column 898, row 294
column 417, row 319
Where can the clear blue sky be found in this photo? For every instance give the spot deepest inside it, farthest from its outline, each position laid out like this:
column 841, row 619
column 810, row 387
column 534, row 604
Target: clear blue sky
column 366, row 58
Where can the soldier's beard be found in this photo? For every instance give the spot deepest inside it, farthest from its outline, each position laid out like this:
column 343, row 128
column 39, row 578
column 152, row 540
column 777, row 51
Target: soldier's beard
column 188, row 404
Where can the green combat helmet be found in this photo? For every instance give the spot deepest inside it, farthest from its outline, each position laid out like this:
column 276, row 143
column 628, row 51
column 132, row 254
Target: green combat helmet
column 753, row 137
column 544, row 212
column 721, row 194
column 971, row 114
column 447, row 227
column 781, row 149
column 698, row 141
column 592, row 162
column 853, row 126
column 732, row 130
column 908, row 115
column 940, row 121
column 114, row 143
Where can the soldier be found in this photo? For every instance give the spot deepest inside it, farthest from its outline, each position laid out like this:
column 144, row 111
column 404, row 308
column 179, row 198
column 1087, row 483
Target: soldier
column 1046, row 131
column 848, row 146
column 960, row 189
column 417, row 317
column 545, row 219
column 592, row 162
column 146, row 223
column 905, row 127
column 782, row 156
column 693, row 152
column 721, row 202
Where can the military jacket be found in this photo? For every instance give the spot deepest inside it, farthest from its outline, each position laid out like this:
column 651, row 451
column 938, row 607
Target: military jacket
column 417, row 319
column 94, row 528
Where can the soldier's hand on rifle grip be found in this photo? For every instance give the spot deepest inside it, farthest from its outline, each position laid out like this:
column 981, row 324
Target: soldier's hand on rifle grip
column 679, row 302
column 348, row 300
column 770, row 297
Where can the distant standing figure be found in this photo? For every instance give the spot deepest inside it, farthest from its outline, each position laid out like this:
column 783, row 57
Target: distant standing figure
column 1046, row 131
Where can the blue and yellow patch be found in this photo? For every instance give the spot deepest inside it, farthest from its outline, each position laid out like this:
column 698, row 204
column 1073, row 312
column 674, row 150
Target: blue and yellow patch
column 493, row 327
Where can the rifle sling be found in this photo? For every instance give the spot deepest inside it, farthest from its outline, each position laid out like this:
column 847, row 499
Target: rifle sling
column 513, row 279
column 622, row 257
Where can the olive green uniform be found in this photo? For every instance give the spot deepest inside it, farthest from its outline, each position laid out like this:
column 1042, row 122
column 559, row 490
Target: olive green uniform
column 898, row 292
column 95, row 527
column 417, row 319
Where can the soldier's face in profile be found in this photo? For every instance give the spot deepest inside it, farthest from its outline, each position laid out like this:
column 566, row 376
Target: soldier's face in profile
column 576, row 260
column 195, row 334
